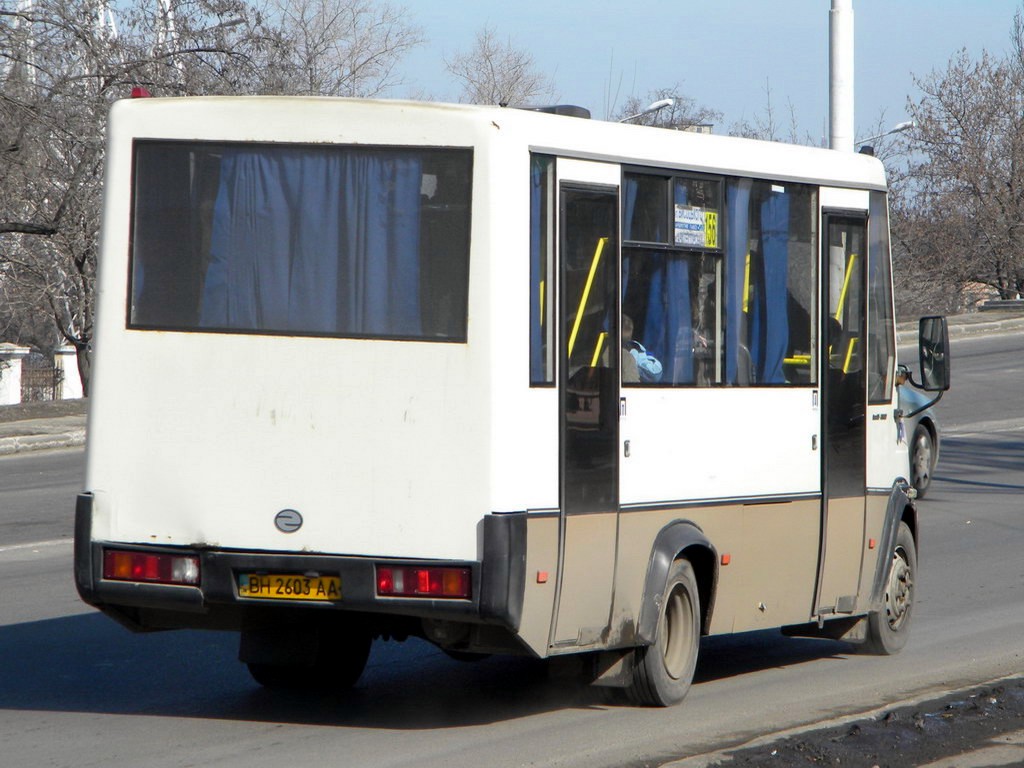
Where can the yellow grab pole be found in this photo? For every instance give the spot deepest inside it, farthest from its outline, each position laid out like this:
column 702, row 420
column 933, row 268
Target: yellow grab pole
column 597, row 348
column 746, row 286
column 849, row 354
column 586, row 292
column 846, row 286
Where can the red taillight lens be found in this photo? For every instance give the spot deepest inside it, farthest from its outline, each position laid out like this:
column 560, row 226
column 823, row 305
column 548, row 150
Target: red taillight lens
column 412, row 581
column 150, row 567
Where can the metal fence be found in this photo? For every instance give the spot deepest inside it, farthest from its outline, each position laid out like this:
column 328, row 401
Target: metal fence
column 40, row 379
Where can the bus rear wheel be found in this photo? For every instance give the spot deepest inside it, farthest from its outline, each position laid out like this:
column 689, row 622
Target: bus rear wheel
column 338, row 663
column 663, row 671
column 889, row 627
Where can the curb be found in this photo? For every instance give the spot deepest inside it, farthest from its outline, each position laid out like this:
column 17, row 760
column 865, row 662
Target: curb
column 24, row 443
column 906, row 333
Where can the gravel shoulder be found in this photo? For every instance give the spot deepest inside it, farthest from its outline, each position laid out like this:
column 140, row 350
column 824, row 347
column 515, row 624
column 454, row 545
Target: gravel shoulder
column 981, row 726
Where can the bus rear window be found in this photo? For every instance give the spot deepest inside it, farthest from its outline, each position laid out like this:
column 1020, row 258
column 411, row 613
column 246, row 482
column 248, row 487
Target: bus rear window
column 301, row 240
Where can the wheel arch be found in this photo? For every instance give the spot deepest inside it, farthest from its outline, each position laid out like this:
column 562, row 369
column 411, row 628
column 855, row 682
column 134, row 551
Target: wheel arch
column 679, row 539
column 900, row 509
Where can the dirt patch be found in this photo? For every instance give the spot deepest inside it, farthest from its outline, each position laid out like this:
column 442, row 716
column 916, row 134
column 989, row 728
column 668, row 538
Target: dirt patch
column 42, row 410
column 902, row 736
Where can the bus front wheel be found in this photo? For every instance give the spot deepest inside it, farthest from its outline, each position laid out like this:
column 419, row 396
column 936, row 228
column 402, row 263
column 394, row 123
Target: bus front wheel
column 922, row 459
column 889, row 627
column 663, row 671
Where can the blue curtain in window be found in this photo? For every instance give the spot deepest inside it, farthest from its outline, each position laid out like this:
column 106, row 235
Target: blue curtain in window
column 772, row 333
column 737, row 207
column 310, row 241
column 629, row 192
column 668, row 324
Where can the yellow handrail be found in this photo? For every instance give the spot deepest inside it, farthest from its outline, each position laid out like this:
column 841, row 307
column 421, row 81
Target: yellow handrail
column 839, row 311
column 597, row 348
column 540, row 299
column 746, row 286
column 586, row 292
column 849, row 354
column 846, row 286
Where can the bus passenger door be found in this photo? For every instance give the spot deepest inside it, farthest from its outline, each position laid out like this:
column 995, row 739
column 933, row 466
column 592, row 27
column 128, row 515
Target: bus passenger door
column 844, row 421
column 589, row 402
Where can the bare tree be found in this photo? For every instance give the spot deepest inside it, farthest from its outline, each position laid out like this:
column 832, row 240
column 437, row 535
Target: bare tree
column 63, row 62
column 57, row 65
column 767, row 125
column 965, row 185
column 684, row 113
column 335, row 47
column 495, row 72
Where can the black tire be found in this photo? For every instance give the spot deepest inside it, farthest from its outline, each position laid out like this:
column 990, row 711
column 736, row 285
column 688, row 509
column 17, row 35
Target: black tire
column 339, row 662
column 889, row 628
column 663, row 671
column 922, row 460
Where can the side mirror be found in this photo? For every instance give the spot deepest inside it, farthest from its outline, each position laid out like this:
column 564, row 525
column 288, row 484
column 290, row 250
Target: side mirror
column 933, row 343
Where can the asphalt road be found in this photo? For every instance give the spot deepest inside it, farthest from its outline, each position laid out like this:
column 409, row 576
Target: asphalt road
column 35, row 489
column 78, row 690
column 986, row 393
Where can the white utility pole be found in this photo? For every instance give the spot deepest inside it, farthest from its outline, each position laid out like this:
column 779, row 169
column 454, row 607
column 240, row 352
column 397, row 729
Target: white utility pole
column 840, row 75
column 167, row 34
column 106, row 22
column 26, row 46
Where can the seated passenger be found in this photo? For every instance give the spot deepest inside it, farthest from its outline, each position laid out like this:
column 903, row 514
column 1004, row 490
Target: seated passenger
column 637, row 365
column 648, row 366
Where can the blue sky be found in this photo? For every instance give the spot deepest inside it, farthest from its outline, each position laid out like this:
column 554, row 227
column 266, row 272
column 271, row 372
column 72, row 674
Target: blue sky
column 722, row 53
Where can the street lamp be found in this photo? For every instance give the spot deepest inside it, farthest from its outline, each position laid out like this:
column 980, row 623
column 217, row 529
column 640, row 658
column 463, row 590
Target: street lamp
column 653, row 107
column 898, row 128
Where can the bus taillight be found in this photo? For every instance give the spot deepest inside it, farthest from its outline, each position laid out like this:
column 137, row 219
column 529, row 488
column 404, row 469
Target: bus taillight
column 150, row 567
column 413, row 581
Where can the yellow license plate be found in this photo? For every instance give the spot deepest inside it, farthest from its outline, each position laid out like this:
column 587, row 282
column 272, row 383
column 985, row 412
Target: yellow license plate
column 289, row 586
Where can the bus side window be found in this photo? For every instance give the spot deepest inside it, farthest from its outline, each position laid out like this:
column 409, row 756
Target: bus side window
column 881, row 329
column 771, row 279
column 671, row 270
column 542, row 232
column 670, row 303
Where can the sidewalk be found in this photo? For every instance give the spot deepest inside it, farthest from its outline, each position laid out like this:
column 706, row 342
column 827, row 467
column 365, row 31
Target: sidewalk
column 38, row 426
column 965, row 326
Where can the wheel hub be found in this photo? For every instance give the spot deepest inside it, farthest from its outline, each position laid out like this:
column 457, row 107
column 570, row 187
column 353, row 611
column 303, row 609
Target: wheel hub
column 898, row 592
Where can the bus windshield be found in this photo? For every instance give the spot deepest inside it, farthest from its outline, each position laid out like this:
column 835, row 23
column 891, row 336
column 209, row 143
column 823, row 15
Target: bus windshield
column 301, row 240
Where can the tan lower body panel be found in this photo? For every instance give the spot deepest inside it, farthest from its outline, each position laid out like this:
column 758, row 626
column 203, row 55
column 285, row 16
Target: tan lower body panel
column 767, row 573
column 772, row 555
column 541, row 581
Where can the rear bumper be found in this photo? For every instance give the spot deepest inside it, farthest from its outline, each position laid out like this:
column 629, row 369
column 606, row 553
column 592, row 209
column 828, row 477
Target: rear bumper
column 498, row 581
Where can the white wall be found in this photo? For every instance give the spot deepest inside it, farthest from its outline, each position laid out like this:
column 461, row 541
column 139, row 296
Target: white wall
column 10, row 373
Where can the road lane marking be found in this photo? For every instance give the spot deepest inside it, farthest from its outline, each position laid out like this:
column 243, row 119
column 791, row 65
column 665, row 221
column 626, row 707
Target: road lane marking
column 37, row 545
column 983, row 428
